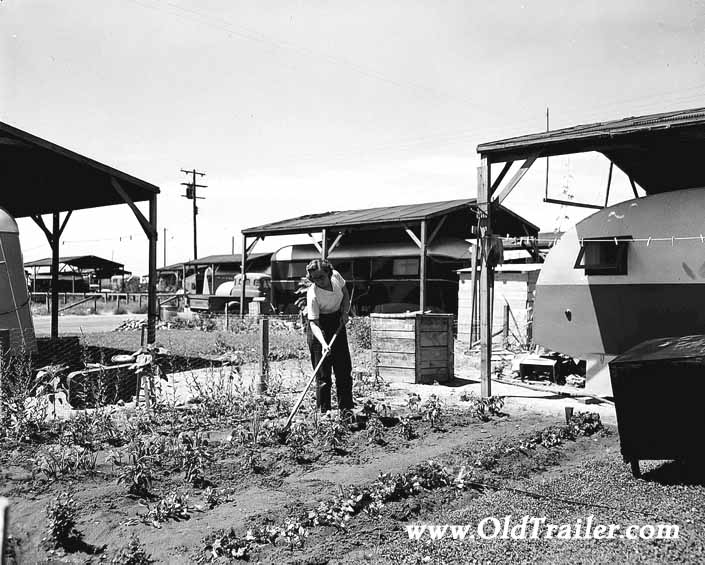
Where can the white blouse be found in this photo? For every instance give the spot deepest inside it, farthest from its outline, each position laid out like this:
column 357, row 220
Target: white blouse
column 321, row 301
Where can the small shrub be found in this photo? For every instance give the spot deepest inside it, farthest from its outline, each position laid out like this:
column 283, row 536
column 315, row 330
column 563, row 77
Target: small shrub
column 174, row 506
column 432, row 411
column 61, row 460
column 137, row 474
column 406, row 429
column 134, row 553
column 375, row 431
column 335, row 433
column 484, row 408
column 194, row 455
column 61, row 514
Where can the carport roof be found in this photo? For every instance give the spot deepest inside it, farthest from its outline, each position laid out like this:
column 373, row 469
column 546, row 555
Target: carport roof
column 84, row 262
column 225, row 259
column 661, row 152
column 369, row 218
column 40, row 177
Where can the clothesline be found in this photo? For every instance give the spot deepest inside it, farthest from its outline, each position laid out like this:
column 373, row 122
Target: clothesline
column 616, row 240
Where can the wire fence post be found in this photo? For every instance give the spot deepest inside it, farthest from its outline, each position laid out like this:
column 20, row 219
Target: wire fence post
column 263, row 354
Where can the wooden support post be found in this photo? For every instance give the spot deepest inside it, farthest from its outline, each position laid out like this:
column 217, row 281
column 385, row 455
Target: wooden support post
column 152, row 304
column 55, row 276
column 473, row 291
column 263, row 374
column 609, row 184
column 244, row 276
column 324, row 244
column 505, row 327
column 486, row 277
column 422, row 267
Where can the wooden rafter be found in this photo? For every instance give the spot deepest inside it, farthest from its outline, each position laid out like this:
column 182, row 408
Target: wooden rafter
column 335, row 242
column 526, row 165
column 148, row 228
column 315, row 243
column 413, row 237
column 502, row 174
column 435, row 231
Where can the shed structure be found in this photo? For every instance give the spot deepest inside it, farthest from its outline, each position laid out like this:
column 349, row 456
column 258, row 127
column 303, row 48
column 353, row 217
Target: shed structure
column 421, row 223
column 40, row 177
column 80, row 264
column 658, row 152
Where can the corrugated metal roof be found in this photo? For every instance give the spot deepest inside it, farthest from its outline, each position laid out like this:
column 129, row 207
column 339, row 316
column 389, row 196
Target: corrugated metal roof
column 607, row 129
column 78, row 261
column 225, row 259
column 68, row 180
column 368, row 217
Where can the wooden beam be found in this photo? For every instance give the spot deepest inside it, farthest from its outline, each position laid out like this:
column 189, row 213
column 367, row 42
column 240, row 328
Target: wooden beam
column 55, row 276
column 609, row 184
column 252, row 245
column 324, row 244
column 335, row 242
column 66, row 220
column 244, row 275
column 413, row 237
column 152, row 235
column 526, row 165
column 438, row 227
column 502, row 174
column 40, row 222
column 571, row 203
column 422, row 268
column 636, row 194
column 146, row 226
column 317, row 245
column 484, row 198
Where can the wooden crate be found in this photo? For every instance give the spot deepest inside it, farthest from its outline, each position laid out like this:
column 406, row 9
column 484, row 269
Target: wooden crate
column 413, row 347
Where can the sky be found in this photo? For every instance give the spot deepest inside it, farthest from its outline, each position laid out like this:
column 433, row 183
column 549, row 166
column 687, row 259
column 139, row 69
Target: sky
column 298, row 107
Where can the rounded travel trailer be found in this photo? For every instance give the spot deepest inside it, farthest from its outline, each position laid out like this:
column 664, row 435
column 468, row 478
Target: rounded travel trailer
column 16, row 327
column 629, row 273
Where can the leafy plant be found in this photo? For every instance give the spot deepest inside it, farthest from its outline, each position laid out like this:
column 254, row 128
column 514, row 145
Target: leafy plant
column 299, row 437
column 406, row 428
column 375, row 431
column 174, row 506
column 137, row 474
column 61, row 460
column 61, row 515
column 194, row 455
column 432, row 411
column 484, row 408
column 335, row 433
column 212, row 497
column 134, row 553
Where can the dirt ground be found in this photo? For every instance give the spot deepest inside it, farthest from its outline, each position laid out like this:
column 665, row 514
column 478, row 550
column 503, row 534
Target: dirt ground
column 513, row 461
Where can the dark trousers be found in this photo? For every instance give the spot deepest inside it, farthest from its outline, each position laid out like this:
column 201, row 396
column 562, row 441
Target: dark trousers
column 338, row 359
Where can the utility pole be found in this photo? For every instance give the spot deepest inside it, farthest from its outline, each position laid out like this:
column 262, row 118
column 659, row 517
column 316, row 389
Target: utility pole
column 165, row 247
column 191, row 195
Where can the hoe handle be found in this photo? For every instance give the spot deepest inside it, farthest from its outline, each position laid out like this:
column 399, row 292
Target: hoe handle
column 310, row 381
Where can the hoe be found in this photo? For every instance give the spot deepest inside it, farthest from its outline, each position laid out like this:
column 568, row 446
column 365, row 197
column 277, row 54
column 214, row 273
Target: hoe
column 284, row 432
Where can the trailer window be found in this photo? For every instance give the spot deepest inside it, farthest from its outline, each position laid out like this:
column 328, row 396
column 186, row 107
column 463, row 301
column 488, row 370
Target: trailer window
column 405, row 267
column 604, row 256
